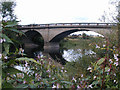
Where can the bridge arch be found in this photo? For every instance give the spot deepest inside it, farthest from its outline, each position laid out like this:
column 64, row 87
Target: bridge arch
column 63, row 34
column 35, row 37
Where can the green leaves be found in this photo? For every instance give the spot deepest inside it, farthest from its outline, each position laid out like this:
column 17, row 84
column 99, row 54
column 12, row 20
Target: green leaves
column 28, row 59
column 6, row 46
column 15, row 30
column 54, row 81
column 95, row 82
column 7, row 10
column 22, row 86
column 11, row 24
column 8, row 40
column 100, row 61
column 11, row 70
column 107, row 69
column 66, row 82
column 9, row 36
column 7, row 85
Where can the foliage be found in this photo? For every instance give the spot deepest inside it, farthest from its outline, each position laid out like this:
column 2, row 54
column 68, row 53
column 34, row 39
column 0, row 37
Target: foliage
column 40, row 74
column 9, row 31
column 85, row 36
column 9, row 35
column 80, row 43
column 19, row 71
column 79, row 67
column 104, row 72
column 7, row 41
column 7, row 10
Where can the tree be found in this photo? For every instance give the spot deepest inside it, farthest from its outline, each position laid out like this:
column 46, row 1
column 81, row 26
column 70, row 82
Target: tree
column 8, row 37
column 118, row 18
column 119, row 41
column 85, row 36
column 9, row 23
column 7, row 10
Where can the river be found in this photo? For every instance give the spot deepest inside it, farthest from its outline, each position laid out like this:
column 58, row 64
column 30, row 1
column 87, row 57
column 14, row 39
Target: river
column 63, row 55
column 75, row 55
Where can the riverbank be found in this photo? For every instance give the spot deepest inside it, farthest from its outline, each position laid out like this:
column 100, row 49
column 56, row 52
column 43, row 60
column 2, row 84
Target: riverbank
column 80, row 42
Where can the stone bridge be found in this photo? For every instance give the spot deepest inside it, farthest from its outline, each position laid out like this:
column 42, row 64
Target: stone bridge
column 56, row 32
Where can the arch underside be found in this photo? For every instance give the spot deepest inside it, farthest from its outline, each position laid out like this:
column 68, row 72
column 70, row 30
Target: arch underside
column 30, row 34
column 60, row 36
column 33, row 35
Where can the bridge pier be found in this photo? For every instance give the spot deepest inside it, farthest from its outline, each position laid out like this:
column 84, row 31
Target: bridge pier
column 50, row 46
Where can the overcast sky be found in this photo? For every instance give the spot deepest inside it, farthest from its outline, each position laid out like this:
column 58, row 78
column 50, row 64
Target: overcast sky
column 60, row 11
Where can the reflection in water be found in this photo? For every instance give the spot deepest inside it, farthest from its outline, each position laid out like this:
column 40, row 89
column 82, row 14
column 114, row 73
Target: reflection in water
column 73, row 55
column 58, row 57
column 54, row 53
column 32, row 51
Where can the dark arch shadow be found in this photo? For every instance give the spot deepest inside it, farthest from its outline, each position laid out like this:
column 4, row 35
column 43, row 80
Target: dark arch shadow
column 35, row 37
column 31, row 43
column 60, row 36
column 57, row 56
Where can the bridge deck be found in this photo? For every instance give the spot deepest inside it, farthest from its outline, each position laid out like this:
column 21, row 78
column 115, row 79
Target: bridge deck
column 67, row 25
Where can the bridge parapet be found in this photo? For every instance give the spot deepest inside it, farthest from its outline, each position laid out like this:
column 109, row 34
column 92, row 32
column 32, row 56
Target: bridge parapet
column 68, row 24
